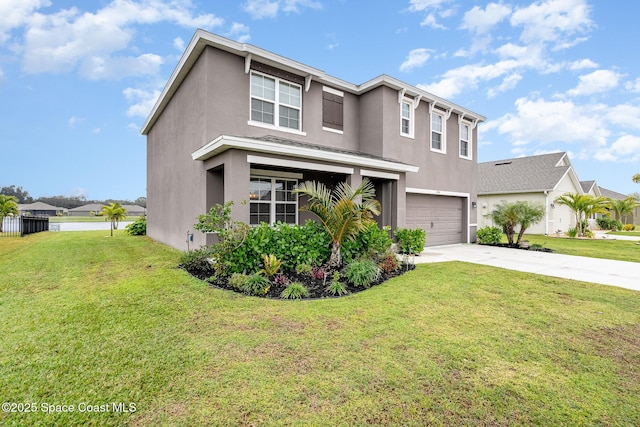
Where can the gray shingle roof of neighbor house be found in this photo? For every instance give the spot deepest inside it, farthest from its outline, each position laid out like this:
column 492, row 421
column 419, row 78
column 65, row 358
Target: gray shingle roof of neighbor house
column 134, row 208
column 523, row 174
column 95, row 207
column 201, row 39
column 40, row 206
column 610, row 194
column 587, row 185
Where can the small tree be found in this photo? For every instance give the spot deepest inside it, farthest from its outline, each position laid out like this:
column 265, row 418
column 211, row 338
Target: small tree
column 343, row 212
column 8, row 207
column 520, row 213
column 622, row 207
column 583, row 206
column 636, row 178
column 114, row 213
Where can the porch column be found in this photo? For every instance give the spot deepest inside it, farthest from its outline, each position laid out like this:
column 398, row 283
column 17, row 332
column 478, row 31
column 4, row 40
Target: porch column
column 236, row 184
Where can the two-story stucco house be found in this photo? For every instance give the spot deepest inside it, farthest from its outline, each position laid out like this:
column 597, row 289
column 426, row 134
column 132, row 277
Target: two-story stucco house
column 236, row 122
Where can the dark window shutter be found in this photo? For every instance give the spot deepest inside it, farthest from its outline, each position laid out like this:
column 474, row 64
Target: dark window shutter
column 332, row 111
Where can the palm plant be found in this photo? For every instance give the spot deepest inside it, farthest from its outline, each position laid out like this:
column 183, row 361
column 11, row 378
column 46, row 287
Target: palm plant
column 344, row 212
column 8, row 207
column 510, row 215
column 636, row 178
column 114, row 213
column 583, row 206
column 622, row 207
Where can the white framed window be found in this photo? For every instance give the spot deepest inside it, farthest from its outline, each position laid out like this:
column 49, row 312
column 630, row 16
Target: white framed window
column 272, row 200
column 406, row 118
column 438, row 140
column 275, row 103
column 466, row 149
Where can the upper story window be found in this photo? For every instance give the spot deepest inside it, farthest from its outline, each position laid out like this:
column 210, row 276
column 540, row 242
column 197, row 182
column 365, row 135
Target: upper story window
column 438, row 142
column 275, row 102
column 406, row 118
column 466, row 148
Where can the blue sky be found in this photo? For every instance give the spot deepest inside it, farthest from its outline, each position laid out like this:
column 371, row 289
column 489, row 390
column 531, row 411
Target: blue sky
column 77, row 79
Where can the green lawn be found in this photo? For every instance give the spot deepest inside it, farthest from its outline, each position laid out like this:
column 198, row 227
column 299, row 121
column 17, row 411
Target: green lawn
column 622, row 250
column 88, row 319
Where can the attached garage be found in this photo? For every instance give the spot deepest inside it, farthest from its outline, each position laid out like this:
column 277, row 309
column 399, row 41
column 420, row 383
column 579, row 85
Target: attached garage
column 440, row 216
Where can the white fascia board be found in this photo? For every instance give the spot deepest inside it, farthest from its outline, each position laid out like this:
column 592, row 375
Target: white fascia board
column 507, row 193
column 225, row 142
column 436, row 192
column 574, row 178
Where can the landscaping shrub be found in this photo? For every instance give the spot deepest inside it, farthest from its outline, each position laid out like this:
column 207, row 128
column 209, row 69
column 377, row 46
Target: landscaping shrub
column 256, row 285
column 389, row 263
column 489, row 235
column 572, row 232
column 411, row 241
column 336, row 287
column 237, row 280
column 295, row 290
column 197, row 261
column 628, row 227
column 137, row 227
column 291, row 244
column 373, row 242
column 270, row 264
column 362, row 273
column 609, row 223
column 303, row 269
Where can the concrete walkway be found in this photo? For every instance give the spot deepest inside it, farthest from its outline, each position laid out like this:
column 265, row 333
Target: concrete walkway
column 607, row 272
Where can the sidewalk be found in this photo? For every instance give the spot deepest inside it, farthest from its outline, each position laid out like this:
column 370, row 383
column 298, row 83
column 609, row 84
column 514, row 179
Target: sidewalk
column 623, row 274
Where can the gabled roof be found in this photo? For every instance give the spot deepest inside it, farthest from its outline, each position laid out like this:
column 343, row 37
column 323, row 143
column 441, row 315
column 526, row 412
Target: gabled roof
column 95, row 207
column 134, row 208
column 610, row 194
column 525, row 174
column 40, row 206
column 201, row 39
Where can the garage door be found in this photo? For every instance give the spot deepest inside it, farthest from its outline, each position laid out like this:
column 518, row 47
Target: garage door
column 440, row 216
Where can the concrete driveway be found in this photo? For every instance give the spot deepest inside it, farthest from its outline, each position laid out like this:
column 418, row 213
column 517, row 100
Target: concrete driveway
column 607, row 272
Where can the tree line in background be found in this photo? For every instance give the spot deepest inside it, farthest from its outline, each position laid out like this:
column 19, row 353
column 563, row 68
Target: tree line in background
column 67, row 202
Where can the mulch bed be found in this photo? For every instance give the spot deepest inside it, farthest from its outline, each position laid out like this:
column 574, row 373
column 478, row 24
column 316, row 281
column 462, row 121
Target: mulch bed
column 316, row 287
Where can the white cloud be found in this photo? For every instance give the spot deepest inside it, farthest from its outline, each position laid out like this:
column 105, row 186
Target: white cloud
column 415, row 59
column 260, row 9
column 544, row 122
column 583, row 64
column 178, row 43
column 598, row 81
column 239, row 32
column 69, row 39
column 468, row 77
column 633, row 86
column 553, row 21
column 508, row 83
column 144, row 100
column 73, row 121
column 624, row 149
column 481, row 21
column 431, row 8
column 421, row 5
column 431, row 21
column 16, row 13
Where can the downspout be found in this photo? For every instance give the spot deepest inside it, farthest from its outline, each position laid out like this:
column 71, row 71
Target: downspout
column 546, row 213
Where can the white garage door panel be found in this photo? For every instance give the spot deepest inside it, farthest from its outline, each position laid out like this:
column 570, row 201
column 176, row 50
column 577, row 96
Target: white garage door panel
column 440, row 216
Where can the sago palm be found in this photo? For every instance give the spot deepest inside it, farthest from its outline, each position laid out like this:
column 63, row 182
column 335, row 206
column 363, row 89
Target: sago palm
column 114, row 213
column 343, row 212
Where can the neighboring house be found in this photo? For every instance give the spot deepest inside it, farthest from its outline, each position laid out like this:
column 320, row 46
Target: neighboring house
column 537, row 179
column 239, row 123
column 86, row 210
column 41, row 209
column 135, row 210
